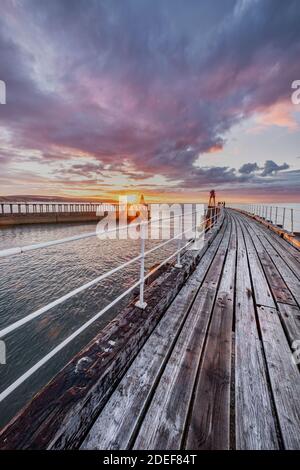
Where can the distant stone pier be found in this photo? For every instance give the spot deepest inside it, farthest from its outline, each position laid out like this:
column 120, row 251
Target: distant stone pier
column 15, row 213
column 18, row 213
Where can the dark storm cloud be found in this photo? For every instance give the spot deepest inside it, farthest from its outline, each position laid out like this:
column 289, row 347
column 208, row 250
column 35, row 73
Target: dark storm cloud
column 248, row 168
column 249, row 173
column 272, row 168
column 150, row 83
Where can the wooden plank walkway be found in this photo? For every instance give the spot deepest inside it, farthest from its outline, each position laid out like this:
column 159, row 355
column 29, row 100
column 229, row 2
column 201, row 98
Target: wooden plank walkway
column 217, row 372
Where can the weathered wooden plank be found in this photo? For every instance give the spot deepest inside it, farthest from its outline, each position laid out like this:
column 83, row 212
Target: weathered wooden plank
column 286, row 273
column 164, row 422
column 290, row 253
column 290, row 318
column 279, row 288
column 176, row 392
column 254, row 420
column 209, row 425
column 116, row 424
column 293, row 251
column 115, row 427
column 283, row 248
column 61, row 413
column 284, row 376
column 261, row 289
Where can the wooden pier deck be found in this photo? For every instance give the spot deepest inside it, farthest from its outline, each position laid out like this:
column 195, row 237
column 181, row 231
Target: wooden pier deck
column 216, row 372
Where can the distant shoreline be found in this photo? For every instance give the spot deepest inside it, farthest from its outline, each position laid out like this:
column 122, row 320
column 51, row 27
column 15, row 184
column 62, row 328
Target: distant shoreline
column 31, row 198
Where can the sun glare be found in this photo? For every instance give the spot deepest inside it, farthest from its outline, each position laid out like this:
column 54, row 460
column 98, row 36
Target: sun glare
column 132, row 198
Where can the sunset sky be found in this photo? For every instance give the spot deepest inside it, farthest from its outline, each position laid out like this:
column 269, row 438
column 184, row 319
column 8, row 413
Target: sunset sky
column 170, row 98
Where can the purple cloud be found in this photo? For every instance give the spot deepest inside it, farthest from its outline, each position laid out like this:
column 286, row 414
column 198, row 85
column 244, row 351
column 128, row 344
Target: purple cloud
column 143, row 87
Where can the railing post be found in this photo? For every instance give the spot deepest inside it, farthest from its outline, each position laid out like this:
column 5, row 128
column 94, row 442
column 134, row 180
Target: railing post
column 276, row 214
column 141, row 303
column 292, row 221
column 211, row 217
column 271, row 210
column 194, row 226
column 283, row 217
column 178, row 263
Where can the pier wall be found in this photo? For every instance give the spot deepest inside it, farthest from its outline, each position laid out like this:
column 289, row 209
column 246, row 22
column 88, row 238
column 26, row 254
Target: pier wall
column 7, row 220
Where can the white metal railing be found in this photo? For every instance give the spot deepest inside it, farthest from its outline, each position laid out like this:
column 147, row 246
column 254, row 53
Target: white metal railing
column 36, row 246
column 25, row 208
column 215, row 217
column 283, row 217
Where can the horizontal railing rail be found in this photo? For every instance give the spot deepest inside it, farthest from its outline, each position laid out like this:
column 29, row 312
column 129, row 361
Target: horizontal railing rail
column 206, row 224
column 281, row 216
